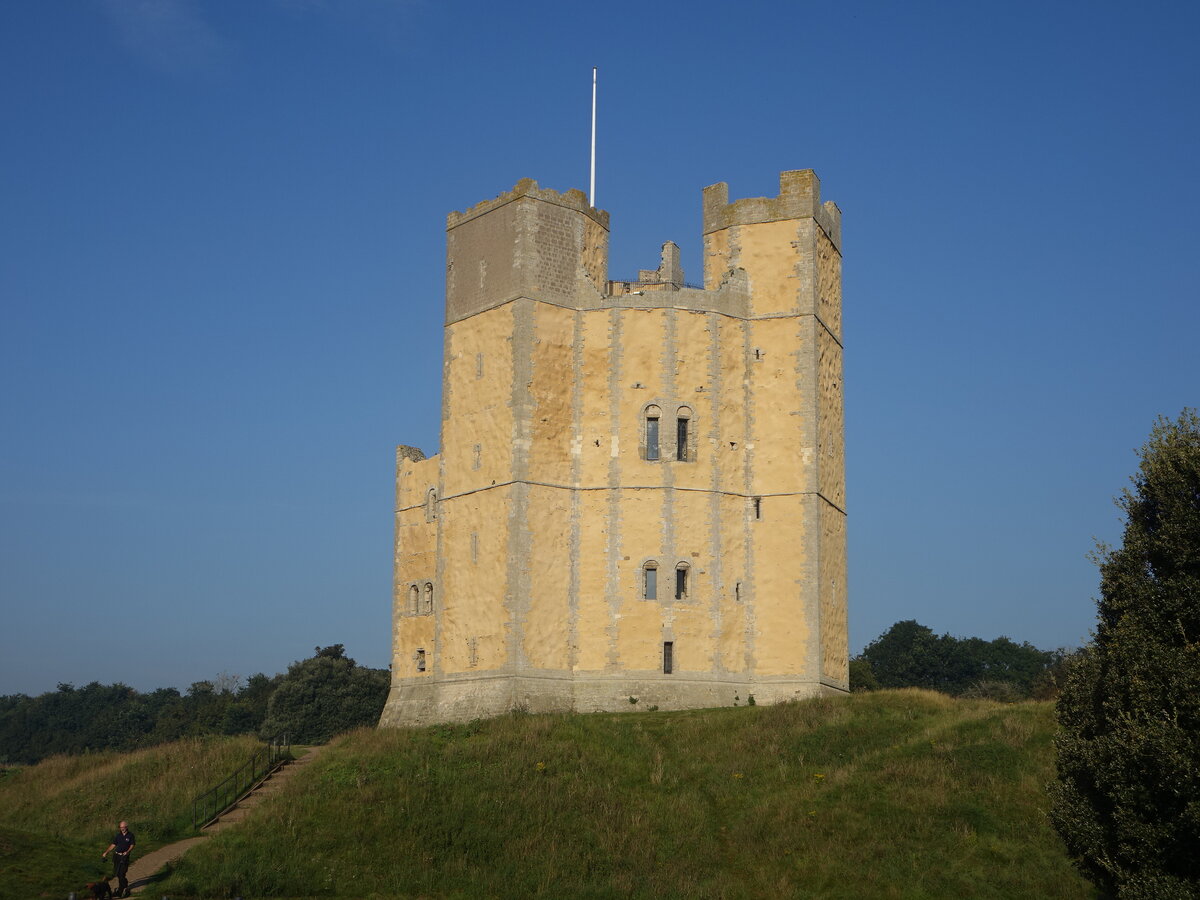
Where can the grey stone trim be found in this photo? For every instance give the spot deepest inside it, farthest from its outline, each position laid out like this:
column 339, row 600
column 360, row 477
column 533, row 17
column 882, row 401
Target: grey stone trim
column 420, row 700
column 612, row 585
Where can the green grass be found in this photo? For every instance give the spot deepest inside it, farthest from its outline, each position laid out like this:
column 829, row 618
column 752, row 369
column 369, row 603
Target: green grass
column 893, row 794
column 39, row 866
column 57, row 816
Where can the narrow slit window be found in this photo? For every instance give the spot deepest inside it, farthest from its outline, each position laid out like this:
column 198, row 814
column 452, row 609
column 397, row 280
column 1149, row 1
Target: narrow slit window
column 650, row 582
column 758, row 507
column 431, row 504
column 652, row 421
column 668, row 657
column 420, row 660
column 681, row 582
column 682, row 427
column 428, row 606
column 414, row 600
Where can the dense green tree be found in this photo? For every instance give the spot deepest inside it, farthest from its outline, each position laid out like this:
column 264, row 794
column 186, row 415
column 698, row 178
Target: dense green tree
column 324, row 695
column 1127, row 799
column 909, row 654
column 861, row 676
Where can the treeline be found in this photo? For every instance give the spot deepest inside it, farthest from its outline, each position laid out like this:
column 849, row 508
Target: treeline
column 909, row 654
column 314, row 700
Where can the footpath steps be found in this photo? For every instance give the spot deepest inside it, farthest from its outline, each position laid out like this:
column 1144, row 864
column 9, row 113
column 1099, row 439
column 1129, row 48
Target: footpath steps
column 273, row 784
column 143, row 868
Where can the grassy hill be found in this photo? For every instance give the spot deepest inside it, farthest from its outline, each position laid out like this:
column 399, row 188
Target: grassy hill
column 57, row 816
column 892, row 794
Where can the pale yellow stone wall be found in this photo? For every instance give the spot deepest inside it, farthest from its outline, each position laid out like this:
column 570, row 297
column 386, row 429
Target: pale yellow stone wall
column 548, row 509
column 782, row 452
column 597, row 448
column 834, row 630
column 597, row 614
column 545, row 628
column 768, row 253
column 477, row 402
column 415, row 563
column 830, row 419
column 471, row 612
column 829, row 284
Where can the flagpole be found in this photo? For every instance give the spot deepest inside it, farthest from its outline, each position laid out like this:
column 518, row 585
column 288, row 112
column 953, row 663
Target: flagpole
column 592, row 191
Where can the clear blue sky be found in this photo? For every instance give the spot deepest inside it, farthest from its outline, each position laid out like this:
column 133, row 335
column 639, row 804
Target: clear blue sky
column 222, row 260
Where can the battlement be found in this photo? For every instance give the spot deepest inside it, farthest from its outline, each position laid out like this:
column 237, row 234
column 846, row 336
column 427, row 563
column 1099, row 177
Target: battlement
column 799, row 198
column 574, row 199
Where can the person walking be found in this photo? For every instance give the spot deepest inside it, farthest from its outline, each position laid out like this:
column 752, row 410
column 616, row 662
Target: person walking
column 122, row 844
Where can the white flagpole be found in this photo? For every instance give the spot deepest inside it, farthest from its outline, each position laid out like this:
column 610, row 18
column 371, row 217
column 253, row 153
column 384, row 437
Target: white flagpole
column 592, row 191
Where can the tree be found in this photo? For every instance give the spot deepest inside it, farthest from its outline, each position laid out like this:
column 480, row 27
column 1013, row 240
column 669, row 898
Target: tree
column 861, row 676
column 324, row 695
column 1127, row 799
column 909, row 654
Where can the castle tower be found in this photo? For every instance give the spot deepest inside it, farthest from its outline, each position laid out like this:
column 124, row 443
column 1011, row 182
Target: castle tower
column 640, row 490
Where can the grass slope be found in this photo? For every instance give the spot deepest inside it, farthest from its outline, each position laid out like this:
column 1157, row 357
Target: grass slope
column 892, row 794
column 57, row 816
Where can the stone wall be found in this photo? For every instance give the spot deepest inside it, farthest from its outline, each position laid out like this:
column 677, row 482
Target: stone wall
column 548, row 509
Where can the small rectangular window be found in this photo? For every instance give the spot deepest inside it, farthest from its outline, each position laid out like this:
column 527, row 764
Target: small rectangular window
column 668, row 657
column 652, row 437
column 681, row 440
column 651, row 584
column 420, row 660
column 681, row 583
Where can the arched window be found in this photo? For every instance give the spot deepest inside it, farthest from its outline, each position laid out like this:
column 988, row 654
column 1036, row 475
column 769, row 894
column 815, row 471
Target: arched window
column 683, row 420
column 427, row 607
column 681, row 581
column 651, row 436
column 431, row 504
column 414, row 597
column 650, row 581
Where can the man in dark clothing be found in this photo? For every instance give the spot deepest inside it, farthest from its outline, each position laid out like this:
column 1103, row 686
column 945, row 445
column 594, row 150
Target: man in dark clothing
column 122, row 844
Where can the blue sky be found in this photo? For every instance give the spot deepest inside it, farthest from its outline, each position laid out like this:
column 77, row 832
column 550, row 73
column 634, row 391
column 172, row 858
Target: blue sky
column 221, row 276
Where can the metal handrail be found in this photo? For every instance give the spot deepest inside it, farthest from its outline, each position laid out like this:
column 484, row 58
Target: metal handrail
column 210, row 804
column 682, row 284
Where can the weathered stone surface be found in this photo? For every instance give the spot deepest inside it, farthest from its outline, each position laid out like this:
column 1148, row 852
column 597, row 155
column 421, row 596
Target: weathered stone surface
column 522, row 547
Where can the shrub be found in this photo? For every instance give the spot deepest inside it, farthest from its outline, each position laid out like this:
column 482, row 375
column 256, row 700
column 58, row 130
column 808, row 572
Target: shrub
column 1127, row 799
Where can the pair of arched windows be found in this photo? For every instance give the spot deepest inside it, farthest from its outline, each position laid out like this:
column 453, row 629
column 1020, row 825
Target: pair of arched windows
column 420, row 599
column 653, row 437
column 650, row 580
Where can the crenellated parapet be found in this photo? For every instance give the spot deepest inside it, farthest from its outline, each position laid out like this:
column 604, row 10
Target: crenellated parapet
column 799, row 198
column 529, row 242
column 574, row 199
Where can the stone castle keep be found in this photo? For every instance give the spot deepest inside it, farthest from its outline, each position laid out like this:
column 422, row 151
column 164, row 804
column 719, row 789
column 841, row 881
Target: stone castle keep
column 641, row 486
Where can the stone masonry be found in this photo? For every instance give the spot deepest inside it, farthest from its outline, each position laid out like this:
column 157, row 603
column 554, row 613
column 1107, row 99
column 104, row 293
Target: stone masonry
column 640, row 490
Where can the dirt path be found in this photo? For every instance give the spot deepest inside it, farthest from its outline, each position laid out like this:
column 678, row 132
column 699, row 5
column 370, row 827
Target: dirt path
column 145, row 870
